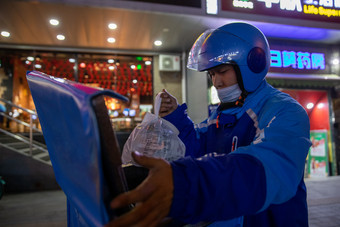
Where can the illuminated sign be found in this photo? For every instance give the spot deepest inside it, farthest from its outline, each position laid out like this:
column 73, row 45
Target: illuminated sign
column 325, row 10
column 188, row 3
column 297, row 60
column 243, row 4
column 290, row 5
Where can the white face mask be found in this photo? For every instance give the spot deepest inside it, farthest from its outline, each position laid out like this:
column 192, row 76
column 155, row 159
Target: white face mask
column 229, row 94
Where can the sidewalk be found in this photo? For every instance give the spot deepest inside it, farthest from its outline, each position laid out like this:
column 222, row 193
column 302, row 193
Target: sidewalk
column 323, row 197
column 48, row 208
column 36, row 209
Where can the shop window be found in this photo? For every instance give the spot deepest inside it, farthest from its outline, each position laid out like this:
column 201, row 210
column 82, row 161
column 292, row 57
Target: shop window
column 320, row 156
column 130, row 76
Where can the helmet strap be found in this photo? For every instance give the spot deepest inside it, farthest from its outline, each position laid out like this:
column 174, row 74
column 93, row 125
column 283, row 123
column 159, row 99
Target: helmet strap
column 238, row 103
column 239, row 77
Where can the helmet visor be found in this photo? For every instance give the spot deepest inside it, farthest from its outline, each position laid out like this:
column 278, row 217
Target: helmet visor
column 195, row 49
column 215, row 47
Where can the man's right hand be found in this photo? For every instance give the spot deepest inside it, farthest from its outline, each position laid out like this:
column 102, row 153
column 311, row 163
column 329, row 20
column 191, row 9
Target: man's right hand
column 153, row 197
column 168, row 105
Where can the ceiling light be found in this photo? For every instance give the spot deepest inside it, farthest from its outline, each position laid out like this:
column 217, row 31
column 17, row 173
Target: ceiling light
column 115, row 113
column 310, row 105
column 111, row 40
column 158, row 43
column 54, row 22
column 320, row 105
column 37, row 66
column 5, row 34
column 110, row 61
column 72, row 60
column 335, row 61
column 212, row 6
column 112, row 26
column 60, row 37
column 132, row 66
column 30, row 58
column 148, row 63
column 111, row 67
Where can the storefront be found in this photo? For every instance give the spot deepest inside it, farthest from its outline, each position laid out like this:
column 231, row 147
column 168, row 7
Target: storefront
column 306, row 72
column 303, row 64
column 129, row 75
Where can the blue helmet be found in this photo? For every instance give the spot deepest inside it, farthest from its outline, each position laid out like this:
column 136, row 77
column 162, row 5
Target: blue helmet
column 235, row 43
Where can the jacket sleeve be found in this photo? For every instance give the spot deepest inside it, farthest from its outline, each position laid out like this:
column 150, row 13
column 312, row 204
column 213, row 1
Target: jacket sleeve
column 218, row 187
column 193, row 138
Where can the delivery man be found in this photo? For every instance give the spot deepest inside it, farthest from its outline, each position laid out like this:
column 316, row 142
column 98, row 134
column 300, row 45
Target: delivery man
column 244, row 165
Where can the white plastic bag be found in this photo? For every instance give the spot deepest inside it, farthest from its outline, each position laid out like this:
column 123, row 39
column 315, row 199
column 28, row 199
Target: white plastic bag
column 154, row 137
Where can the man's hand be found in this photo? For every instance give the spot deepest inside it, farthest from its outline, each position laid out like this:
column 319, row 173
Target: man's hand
column 168, row 105
column 153, row 197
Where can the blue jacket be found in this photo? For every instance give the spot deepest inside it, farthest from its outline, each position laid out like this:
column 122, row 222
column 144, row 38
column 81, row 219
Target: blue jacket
column 244, row 163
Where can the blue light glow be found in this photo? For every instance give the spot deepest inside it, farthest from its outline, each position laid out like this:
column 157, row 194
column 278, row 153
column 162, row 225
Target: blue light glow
column 132, row 113
column 303, row 60
column 126, row 112
column 295, row 32
column 318, row 61
column 300, row 60
column 276, row 58
column 289, row 59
